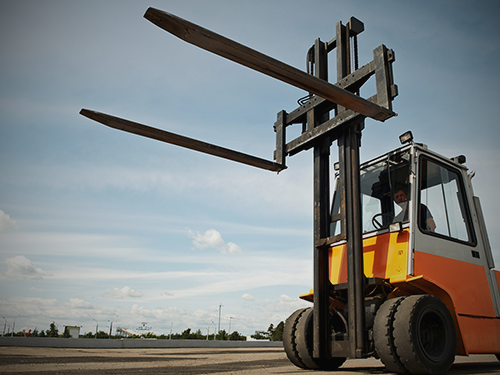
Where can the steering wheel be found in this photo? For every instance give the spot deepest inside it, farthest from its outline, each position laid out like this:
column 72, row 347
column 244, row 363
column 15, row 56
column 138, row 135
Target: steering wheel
column 375, row 220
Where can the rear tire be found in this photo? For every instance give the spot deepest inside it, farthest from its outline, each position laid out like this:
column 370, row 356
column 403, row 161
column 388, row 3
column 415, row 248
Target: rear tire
column 424, row 335
column 383, row 335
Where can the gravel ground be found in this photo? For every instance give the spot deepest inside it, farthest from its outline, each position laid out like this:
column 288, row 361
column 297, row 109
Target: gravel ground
column 244, row 361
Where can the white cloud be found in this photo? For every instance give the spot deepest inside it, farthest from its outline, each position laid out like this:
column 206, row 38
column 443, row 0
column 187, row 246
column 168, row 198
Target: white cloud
column 284, row 304
column 144, row 312
column 213, row 239
column 6, row 223
column 20, row 268
column 124, row 292
column 36, row 290
column 248, row 297
column 232, row 248
column 213, row 308
column 78, row 303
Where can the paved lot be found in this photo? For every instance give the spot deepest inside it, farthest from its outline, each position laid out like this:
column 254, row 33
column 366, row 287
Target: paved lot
column 240, row 361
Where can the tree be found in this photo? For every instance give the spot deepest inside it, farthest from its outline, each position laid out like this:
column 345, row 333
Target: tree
column 235, row 336
column 186, row 334
column 102, row 335
column 222, row 335
column 53, row 331
column 260, row 335
column 272, row 333
column 277, row 334
column 66, row 333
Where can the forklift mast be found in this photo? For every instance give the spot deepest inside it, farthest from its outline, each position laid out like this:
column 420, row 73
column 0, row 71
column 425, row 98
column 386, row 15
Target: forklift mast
column 345, row 127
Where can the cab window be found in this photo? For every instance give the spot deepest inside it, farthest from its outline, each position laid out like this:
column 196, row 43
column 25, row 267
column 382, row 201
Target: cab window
column 442, row 198
column 379, row 181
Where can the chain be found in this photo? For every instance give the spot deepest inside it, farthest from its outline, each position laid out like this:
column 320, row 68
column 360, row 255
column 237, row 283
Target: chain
column 356, row 58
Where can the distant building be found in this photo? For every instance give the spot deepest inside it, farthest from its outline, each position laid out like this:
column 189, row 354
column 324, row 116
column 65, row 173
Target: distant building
column 74, row 331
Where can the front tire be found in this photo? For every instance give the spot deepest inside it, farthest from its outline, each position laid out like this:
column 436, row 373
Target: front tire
column 298, row 343
column 289, row 339
column 424, row 335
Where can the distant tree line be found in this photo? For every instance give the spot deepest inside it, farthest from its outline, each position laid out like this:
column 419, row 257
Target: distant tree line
column 187, row 334
column 53, row 331
column 272, row 334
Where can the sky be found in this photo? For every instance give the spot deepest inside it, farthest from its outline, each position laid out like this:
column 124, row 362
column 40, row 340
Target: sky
column 101, row 226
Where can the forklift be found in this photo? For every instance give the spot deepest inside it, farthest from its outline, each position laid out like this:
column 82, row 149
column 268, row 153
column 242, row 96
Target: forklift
column 430, row 290
column 403, row 269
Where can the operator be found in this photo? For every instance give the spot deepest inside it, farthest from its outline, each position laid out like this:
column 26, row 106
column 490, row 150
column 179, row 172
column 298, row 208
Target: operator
column 426, row 219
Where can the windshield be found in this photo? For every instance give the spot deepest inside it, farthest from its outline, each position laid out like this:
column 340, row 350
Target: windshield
column 381, row 182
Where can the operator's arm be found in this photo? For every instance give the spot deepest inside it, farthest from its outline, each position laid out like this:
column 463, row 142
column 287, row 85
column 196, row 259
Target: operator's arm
column 431, row 224
column 426, row 220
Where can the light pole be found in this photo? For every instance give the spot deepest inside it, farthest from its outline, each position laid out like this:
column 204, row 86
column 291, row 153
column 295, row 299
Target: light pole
column 111, row 326
column 215, row 327
column 170, row 336
column 208, row 332
column 14, row 325
column 96, row 327
column 220, row 308
column 229, row 333
column 4, row 326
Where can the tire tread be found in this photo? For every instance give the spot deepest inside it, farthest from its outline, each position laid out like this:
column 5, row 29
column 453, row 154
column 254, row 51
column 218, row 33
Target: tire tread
column 383, row 335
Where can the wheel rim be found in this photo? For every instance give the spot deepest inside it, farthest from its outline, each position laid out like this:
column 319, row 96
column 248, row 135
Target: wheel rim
column 432, row 335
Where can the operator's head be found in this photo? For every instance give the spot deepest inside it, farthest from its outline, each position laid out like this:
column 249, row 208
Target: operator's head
column 400, row 195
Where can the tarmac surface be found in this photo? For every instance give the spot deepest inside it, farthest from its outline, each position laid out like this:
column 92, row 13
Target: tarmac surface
column 240, row 361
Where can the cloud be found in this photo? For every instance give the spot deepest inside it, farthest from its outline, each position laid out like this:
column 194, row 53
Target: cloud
column 159, row 313
column 78, row 303
column 124, row 292
column 284, row 304
column 213, row 239
column 36, row 290
column 6, row 223
column 248, row 297
column 20, row 268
